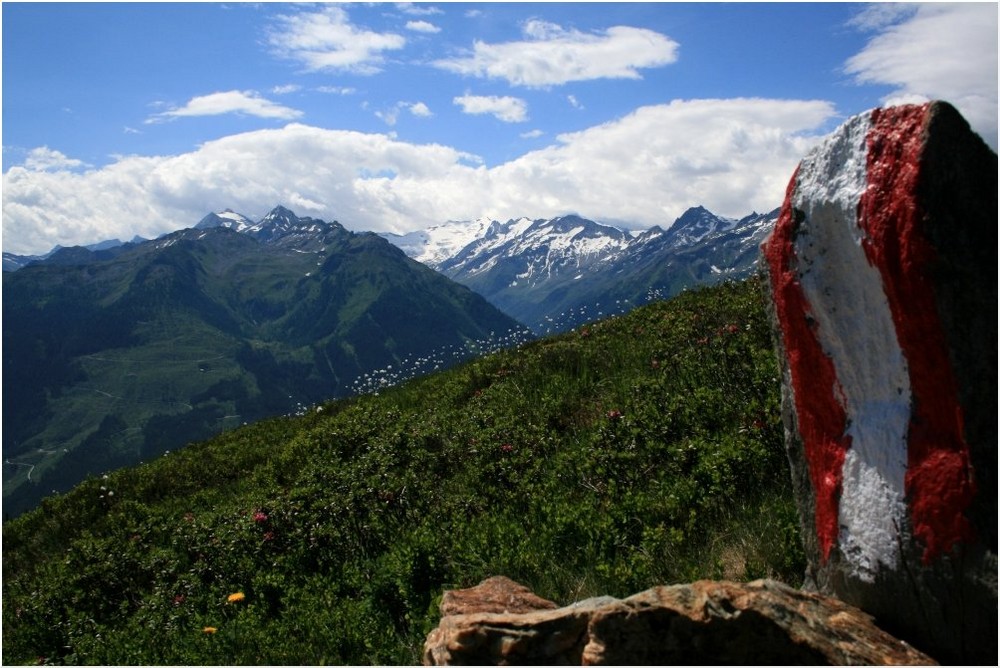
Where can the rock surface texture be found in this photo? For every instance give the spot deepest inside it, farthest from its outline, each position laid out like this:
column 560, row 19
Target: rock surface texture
column 762, row 622
column 881, row 269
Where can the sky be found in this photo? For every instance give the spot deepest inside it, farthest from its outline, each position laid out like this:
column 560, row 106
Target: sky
column 138, row 119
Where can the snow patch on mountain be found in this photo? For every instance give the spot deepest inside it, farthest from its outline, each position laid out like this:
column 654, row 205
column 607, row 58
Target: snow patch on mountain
column 435, row 244
column 225, row 218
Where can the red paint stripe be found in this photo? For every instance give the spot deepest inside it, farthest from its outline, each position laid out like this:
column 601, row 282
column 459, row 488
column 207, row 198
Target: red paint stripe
column 822, row 419
column 939, row 481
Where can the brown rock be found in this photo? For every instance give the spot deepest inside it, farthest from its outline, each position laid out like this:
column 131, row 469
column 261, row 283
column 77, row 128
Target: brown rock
column 762, row 622
column 498, row 594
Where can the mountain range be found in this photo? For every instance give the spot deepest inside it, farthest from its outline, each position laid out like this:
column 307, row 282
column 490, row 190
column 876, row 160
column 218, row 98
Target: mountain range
column 554, row 274
column 116, row 355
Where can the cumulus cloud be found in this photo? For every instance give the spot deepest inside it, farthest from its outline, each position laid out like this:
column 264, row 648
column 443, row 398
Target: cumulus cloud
column 422, row 26
column 934, row 51
column 326, row 40
column 732, row 156
column 229, row 102
column 645, row 168
column 506, row 108
column 551, row 55
column 44, row 158
column 420, row 109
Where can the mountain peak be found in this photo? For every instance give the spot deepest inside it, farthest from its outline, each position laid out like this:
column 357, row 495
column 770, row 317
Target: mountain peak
column 280, row 212
column 278, row 222
column 282, row 224
column 225, row 218
column 698, row 222
column 693, row 215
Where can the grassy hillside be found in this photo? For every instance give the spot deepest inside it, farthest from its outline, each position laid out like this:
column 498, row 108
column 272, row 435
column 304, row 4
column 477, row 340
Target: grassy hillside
column 640, row 450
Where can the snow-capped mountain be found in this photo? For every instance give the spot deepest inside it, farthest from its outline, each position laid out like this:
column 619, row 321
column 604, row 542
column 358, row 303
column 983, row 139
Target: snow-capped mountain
column 225, row 218
column 279, row 222
column 538, row 270
column 544, row 249
column 279, row 227
column 552, row 274
column 697, row 223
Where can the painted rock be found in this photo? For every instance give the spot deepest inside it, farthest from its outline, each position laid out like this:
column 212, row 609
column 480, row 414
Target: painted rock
column 881, row 269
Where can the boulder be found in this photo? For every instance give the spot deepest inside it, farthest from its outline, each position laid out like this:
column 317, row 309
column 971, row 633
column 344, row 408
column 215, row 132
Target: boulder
column 881, row 270
column 498, row 594
column 706, row 622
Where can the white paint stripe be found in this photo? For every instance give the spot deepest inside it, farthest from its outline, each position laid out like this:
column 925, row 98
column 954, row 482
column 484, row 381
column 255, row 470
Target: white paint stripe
column 855, row 329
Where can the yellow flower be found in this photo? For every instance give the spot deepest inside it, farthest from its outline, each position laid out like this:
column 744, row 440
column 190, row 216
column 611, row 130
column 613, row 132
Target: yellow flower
column 236, row 598
column 209, row 630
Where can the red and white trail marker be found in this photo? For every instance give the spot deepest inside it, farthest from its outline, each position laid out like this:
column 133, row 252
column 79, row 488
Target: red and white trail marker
column 881, row 271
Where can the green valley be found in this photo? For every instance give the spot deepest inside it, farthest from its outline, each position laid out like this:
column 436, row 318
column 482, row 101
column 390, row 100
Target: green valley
column 109, row 361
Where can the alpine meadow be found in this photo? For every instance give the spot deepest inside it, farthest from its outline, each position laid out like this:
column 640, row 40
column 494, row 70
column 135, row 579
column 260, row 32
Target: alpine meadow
column 635, row 450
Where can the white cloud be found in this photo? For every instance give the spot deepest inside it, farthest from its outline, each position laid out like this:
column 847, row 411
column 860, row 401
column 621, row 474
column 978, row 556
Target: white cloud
column 878, row 15
column 420, row 109
column 532, row 134
column 337, row 90
column 645, row 168
column 575, row 103
column 506, row 108
column 326, row 40
column 229, row 102
column 43, row 159
column 287, row 88
column 417, row 10
column 422, row 26
column 391, row 115
column 552, row 55
column 935, row 51
column 731, row 156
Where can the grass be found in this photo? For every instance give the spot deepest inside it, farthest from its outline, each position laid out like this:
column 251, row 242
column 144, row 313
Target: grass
column 638, row 450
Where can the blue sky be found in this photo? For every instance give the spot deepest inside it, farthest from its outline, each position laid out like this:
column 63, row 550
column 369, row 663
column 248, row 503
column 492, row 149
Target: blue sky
column 122, row 119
